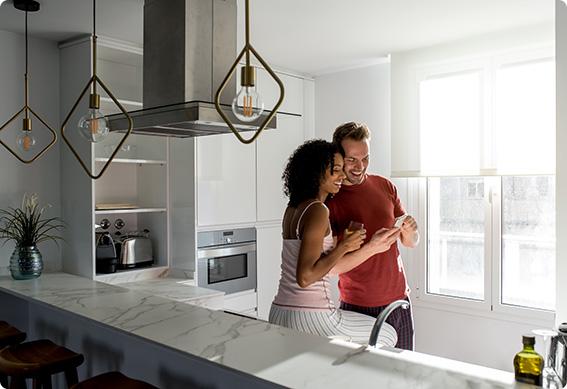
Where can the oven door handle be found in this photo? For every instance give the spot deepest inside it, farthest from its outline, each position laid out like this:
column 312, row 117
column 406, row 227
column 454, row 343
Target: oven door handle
column 223, row 251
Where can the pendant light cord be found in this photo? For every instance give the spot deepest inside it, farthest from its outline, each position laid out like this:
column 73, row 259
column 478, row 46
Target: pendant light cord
column 93, row 59
column 247, row 29
column 26, row 71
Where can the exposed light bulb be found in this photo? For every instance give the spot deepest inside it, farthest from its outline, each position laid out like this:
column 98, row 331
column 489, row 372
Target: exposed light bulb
column 93, row 126
column 25, row 140
column 248, row 105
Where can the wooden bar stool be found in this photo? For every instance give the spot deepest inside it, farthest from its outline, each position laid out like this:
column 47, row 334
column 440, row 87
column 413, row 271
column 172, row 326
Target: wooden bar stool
column 9, row 336
column 112, row 380
column 39, row 360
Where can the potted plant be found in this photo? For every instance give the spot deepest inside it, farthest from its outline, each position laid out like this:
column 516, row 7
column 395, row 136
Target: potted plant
column 26, row 227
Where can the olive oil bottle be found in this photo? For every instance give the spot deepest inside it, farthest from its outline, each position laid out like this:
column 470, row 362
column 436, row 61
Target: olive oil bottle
column 528, row 365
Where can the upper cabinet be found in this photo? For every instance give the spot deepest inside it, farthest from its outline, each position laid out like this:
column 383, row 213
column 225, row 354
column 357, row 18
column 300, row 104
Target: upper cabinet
column 226, row 181
column 270, row 92
column 241, row 184
column 273, row 150
column 120, row 68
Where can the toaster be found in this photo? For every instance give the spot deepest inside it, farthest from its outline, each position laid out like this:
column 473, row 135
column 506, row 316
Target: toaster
column 135, row 251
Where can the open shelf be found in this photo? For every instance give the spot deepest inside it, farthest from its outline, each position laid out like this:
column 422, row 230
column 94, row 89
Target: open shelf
column 129, row 275
column 132, row 160
column 128, row 210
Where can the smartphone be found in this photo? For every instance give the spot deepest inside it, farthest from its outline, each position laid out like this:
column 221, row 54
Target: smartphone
column 399, row 221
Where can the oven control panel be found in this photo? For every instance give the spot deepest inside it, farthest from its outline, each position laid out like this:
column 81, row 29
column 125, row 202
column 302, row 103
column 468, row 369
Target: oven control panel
column 224, row 237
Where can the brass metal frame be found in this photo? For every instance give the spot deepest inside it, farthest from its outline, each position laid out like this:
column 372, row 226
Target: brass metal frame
column 31, row 6
column 246, row 51
column 93, row 98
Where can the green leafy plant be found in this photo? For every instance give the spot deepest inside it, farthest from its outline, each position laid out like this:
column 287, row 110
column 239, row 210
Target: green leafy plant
column 25, row 225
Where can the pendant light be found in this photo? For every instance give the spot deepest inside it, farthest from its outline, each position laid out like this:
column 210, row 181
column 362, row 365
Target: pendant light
column 26, row 139
column 247, row 106
column 93, row 126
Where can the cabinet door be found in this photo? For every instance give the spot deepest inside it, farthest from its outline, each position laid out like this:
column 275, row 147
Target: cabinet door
column 270, row 92
column 269, row 248
column 274, row 148
column 226, row 181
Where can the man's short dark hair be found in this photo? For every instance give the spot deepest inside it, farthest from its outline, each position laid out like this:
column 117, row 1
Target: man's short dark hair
column 351, row 130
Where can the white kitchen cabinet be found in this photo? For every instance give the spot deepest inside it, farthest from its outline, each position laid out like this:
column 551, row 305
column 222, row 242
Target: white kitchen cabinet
column 269, row 248
column 274, row 148
column 270, row 92
column 226, row 181
column 243, row 303
column 135, row 186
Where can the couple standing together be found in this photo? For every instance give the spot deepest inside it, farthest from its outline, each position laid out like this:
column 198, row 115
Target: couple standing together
column 328, row 188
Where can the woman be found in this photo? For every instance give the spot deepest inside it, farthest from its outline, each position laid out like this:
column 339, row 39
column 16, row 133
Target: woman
column 303, row 302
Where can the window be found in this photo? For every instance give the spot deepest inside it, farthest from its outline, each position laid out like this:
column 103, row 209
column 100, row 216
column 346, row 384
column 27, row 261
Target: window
column 488, row 136
column 460, row 228
column 455, row 239
column 528, row 242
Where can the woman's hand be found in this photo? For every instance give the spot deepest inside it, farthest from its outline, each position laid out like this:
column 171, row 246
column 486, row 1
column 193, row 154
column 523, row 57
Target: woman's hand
column 352, row 240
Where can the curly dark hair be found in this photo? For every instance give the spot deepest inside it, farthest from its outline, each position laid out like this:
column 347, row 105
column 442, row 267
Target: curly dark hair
column 305, row 168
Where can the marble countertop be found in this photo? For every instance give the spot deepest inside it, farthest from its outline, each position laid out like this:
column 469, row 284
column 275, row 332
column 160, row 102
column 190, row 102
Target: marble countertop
column 255, row 347
column 173, row 288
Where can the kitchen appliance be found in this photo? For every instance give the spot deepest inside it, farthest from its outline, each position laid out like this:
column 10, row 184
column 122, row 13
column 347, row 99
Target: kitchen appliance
column 188, row 47
column 226, row 260
column 557, row 356
column 134, row 249
column 106, row 258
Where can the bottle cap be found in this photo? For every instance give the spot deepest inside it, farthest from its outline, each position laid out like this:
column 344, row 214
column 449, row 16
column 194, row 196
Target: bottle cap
column 528, row 340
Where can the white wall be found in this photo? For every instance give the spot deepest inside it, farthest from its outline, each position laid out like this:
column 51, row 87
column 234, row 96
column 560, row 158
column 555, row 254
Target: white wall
column 42, row 176
column 360, row 95
column 561, row 164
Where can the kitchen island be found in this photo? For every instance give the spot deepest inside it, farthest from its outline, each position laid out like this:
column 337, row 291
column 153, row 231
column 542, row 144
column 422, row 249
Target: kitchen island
column 174, row 344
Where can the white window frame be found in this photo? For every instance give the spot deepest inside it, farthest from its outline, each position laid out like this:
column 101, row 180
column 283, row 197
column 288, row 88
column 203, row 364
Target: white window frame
column 417, row 205
column 492, row 306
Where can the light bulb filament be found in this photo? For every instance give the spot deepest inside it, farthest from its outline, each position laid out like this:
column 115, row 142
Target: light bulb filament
column 26, row 142
column 94, row 126
column 247, row 106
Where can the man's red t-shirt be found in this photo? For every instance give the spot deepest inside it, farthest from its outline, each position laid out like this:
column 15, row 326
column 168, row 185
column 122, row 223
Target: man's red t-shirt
column 380, row 279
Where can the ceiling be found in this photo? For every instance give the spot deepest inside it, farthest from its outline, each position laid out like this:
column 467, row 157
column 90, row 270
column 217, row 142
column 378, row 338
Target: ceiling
column 311, row 37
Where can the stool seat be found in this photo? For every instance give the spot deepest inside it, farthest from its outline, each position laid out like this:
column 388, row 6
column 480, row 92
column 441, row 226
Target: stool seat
column 10, row 335
column 112, row 380
column 39, row 359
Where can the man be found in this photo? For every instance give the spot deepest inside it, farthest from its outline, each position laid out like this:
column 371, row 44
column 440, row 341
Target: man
column 372, row 277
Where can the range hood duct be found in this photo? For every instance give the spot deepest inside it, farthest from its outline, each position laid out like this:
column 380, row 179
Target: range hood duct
column 189, row 45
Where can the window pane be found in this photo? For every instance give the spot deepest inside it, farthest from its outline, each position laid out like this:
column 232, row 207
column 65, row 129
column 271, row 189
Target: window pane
column 524, row 116
column 455, row 260
column 450, row 116
column 528, row 241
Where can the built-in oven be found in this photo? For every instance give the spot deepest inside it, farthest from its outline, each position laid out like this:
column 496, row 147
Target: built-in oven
column 226, row 260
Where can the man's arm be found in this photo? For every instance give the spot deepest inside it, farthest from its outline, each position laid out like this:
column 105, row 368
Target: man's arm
column 380, row 242
column 409, row 235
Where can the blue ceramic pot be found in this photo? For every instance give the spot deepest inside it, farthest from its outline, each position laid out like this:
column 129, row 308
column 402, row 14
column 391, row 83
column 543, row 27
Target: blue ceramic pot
column 26, row 263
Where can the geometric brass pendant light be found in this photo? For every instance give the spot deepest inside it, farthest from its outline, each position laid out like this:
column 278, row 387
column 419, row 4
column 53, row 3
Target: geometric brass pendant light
column 247, row 105
column 94, row 126
column 26, row 139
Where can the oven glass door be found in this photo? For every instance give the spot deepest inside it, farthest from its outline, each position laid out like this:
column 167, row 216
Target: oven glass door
column 230, row 269
column 227, row 268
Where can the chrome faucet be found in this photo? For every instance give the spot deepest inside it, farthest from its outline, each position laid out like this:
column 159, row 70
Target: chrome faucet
column 382, row 318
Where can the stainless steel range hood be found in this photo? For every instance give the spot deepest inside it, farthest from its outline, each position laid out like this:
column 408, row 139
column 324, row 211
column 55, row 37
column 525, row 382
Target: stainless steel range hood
column 189, row 45
column 194, row 118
